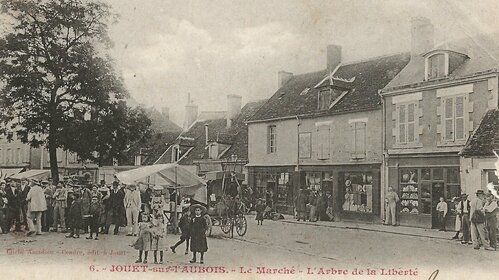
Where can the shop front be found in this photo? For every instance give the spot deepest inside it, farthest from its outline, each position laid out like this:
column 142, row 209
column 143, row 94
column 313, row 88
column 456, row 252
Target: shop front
column 355, row 189
column 276, row 185
column 420, row 182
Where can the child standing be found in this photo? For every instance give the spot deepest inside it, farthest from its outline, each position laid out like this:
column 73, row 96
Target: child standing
column 260, row 208
column 143, row 242
column 75, row 216
column 198, row 233
column 185, row 228
column 158, row 203
column 159, row 238
column 94, row 217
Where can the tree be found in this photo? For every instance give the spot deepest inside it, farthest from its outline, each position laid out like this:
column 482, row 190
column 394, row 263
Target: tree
column 55, row 69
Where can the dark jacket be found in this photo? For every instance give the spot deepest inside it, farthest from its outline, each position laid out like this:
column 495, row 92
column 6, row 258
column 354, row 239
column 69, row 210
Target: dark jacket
column 86, row 199
column 301, row 202
column 198, row 235
column 75, row 214
column 185, row 225
column 13, row 200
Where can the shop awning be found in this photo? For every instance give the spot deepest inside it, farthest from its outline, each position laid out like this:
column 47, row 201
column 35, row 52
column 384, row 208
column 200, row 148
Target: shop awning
column 8, row 172
column 218, row 175
column 36, row 174
column 169, row 175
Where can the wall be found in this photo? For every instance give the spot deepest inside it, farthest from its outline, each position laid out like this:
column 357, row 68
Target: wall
column 484, row 93
column 473, row 175
column 340, row 140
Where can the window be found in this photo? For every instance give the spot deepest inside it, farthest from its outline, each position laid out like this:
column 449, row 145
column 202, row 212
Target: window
column 175, row 153
column 305, row 149
column 213, row 151
column 323, row 142
column 491, row 178
column 359, row 140
column 436, row 66
column 325, row 97
column 454, row 119
column 406, row 123
column 313, row 180
column 358, row 191
column 271, row 139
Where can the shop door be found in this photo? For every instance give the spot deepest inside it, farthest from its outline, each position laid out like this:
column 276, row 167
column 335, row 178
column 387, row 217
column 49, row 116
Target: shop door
column 437, row 191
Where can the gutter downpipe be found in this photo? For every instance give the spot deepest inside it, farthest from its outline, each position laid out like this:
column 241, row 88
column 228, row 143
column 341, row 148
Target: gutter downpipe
column 384, row 174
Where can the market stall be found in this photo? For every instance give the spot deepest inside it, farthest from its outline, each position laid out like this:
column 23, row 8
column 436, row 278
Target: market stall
column 33, row 174
column 171, row 177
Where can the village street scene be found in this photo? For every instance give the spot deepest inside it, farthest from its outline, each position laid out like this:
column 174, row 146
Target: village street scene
column 281, row 139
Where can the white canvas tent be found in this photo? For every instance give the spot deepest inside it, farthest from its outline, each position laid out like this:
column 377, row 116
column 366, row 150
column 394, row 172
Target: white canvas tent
column 169, row 175
column 37, row 174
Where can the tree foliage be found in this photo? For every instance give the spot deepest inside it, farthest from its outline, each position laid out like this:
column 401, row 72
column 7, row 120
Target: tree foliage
column 55, row 70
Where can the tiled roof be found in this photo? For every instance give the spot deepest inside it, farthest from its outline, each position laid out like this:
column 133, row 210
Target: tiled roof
column 195, row 137
column 482, row 50
column 486, row 137
column 156, row 145
column 370, row 76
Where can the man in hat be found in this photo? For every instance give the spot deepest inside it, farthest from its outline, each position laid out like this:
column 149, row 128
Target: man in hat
column 37, row 205
column 116, row 212
column 60, row 205
column 3, row 208
column 477, row 219
column 23, row 192
column 132, row 208
column 49, row 197
column 13, row 195
column 464, row 212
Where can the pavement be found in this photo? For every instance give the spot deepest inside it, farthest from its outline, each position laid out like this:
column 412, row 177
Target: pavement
column 398, row 230
column 311, row 250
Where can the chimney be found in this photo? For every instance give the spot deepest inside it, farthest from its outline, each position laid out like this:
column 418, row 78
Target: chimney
column 333, row 57
column 165, row 111
column 422, row 36
column 206, row 138
column 233, row 107
column 283, row 77
column 191, row 113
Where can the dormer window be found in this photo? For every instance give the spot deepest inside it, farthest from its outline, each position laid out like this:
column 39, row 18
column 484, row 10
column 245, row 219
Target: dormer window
column 437, row 65
column 325, row 97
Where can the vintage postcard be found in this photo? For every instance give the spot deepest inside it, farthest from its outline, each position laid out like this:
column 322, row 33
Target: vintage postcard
column 222, row 139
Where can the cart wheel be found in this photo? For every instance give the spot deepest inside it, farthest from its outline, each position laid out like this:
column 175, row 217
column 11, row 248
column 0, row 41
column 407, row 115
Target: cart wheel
column 225, row 225
column 209, row 223
column 241, row 225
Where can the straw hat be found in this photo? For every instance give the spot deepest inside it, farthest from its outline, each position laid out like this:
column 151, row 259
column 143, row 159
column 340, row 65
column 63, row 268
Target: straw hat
column 203, row 209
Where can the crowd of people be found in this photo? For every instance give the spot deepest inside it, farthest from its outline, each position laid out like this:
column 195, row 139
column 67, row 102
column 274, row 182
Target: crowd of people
column 314, row 205
column 33, row 207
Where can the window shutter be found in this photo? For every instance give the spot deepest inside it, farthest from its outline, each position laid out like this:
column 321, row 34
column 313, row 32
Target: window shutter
column 361, row 139
column 402, row 124
column 459, row 118
column 449, row 119
column 323, row 142
column 410, row 123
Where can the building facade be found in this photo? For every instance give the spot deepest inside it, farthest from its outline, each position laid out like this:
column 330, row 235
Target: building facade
column 431, row 108
column 321, row 132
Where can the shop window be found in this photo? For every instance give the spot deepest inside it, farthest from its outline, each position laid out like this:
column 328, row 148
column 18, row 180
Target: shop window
column 359, row 140
column 491, row 177
column 409, row 191
column 425, row 198
column 284, row 190
column 358, row 190
column 271, row 139
column 313, row 180
column 438, row 174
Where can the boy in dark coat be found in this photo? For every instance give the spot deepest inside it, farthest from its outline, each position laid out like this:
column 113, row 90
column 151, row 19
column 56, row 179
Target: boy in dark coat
column 185, row 227
column 198, row 234
column 75, row 216
column 94, row 217
column 260, row 209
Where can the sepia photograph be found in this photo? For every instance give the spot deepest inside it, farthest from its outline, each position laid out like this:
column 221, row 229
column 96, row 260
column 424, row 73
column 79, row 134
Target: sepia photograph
column 261, row 139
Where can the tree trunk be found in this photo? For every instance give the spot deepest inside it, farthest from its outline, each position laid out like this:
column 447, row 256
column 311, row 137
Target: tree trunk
column 54, row 169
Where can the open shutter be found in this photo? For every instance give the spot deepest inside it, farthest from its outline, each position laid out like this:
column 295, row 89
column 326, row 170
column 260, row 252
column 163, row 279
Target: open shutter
column 449, row 119
column 459, row 118
column 402, row 124
column 410, row 123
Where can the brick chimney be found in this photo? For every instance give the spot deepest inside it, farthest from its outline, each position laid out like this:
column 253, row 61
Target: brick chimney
column 333, row 57
column 233, row 107
column 422, row 36
column 283, row 77
column 191, row 113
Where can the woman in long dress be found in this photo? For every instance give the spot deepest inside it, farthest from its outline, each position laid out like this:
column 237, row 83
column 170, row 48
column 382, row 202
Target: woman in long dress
column 198, row 234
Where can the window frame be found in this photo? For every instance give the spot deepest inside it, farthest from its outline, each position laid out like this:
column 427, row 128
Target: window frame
column 271, row 139
column 356, row 154
column 453, row 118
column 429, row 63
column 323, row 142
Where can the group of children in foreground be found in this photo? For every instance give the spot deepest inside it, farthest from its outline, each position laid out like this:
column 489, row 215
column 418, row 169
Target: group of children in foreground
column 152, row 235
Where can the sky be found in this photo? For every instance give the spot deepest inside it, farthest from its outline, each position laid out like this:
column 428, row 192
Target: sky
column 168, row 49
